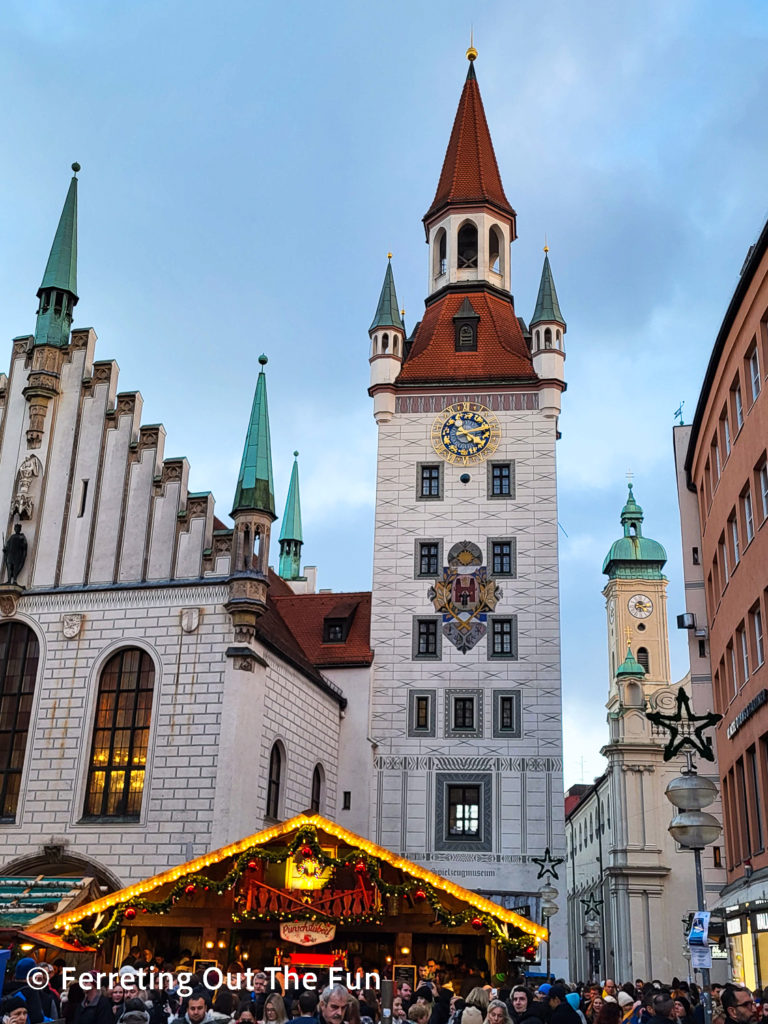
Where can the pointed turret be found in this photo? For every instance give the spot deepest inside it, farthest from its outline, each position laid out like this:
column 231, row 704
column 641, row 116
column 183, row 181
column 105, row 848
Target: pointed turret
column 630, row 667
column 547, row 307
column 387, row 334
column 291, row 538
column 547, row 340
column 470, row 223
column 255, row 490
column 253, row 512
column 58, row 291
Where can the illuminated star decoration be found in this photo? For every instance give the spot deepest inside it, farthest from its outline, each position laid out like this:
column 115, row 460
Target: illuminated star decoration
column 592, row 905
column 548, row 864
column 685, row 729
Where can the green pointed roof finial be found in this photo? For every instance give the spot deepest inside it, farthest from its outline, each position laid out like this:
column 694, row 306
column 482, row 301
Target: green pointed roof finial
column 61, row 269
column 255, row 489
column 630, row 667
column 547, row 307
column 291, row 526
column 388, row 310
column 54, row 318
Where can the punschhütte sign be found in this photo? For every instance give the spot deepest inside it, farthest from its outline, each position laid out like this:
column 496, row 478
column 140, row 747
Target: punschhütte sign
column 746, row 713
column 307, row 933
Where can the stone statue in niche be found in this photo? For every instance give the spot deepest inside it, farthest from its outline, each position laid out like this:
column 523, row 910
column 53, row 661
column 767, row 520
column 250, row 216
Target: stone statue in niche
column 22, row 503
column 15, row 554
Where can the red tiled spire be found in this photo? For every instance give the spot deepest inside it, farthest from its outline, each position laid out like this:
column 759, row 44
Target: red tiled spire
column 470, row 173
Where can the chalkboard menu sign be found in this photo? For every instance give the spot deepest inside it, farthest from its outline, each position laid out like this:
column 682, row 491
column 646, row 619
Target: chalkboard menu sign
column 405, row 972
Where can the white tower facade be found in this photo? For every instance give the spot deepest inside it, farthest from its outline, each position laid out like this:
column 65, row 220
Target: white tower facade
column 466, row 703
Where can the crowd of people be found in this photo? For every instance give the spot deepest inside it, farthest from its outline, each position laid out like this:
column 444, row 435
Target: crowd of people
column 459, row 995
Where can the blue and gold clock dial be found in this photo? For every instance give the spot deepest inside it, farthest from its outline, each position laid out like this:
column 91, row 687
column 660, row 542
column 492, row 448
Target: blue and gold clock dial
column 465, row 433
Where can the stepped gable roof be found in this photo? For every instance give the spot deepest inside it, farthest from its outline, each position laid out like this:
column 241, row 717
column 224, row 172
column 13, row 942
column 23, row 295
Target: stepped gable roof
column 470, row 173
column 501, row 355
column 305, row 615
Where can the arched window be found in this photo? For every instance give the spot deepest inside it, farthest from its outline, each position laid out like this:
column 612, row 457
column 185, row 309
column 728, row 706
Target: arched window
column 120, row 736
column 591, row 829
column 495, row 242
column 274, row 782
column 19, row 655
column 642, row 658
column 547, row 337
column 317, row 789
column 538, row 338
column 559, row 339
column 441, row 262
column 385, row 343
column 467, row 246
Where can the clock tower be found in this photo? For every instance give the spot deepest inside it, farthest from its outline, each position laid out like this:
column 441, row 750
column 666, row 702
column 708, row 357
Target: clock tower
column 465, row 715
column 636, row 600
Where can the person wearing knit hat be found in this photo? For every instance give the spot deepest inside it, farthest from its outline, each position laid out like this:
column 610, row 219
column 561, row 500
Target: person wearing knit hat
column 14, row 1010
column 560, row 1010
column 471, row 1015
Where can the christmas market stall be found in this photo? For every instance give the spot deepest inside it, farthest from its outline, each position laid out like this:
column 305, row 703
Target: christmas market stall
column 306, row 882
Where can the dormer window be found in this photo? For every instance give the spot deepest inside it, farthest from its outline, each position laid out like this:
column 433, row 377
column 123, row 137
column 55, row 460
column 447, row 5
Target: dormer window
column 338, row 622
column 465, row 326
column 334, row 631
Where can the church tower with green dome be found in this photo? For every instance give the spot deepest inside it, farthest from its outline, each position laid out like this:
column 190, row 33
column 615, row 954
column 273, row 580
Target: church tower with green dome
column 636, row 599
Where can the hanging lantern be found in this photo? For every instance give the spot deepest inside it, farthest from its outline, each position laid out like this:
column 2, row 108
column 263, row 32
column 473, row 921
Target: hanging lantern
column 360, row 867
column 252, row 864
column 189, row 889
column 130, row 913
column 477, row 923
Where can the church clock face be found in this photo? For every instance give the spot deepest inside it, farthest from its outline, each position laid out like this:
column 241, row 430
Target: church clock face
column 640, row 606
column 465, row 433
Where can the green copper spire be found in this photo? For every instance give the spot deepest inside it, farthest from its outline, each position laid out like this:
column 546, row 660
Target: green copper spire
column 547, row 307
column 254, row 484
column 634, row 556
column 291, row 538
column 387, row 311
column 630, row 667
column 58, row 290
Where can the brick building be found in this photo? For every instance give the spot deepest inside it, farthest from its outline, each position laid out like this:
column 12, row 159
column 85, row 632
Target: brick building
column 723, row 482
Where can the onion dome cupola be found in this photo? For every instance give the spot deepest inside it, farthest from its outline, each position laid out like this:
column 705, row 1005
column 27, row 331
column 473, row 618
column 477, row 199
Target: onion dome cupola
column 547, row 338
column 57, row 293
column 634, row 556
column 291, row 539
column 630, row 667
column 387, row 334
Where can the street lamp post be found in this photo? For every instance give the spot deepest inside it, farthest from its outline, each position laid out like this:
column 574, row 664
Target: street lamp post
column 548, row 909
column 694, row 828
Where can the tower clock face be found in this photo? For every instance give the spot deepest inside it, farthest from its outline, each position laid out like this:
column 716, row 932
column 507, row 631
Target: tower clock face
column 640, row 606
column 465, row 433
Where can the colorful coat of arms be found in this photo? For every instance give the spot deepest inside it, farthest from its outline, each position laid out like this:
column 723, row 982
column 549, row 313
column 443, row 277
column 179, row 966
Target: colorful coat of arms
column 464, row 595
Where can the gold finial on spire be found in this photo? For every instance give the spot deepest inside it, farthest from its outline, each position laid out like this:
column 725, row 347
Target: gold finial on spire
column 402, row 312
column 471, row 52
column 628, row 635
column 546, row 247
column 389, row 255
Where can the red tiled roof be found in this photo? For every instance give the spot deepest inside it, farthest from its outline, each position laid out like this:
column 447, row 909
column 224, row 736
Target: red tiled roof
column 502, row 353
column 470, row 173
column 304, row 615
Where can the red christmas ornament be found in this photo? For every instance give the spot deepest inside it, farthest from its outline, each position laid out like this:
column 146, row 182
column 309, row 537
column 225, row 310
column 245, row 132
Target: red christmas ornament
column 530, row 953
column 190, row 889
column 419, row 895
column 306, row 850
column 360, row 867
column 252, row 864
column 144, row 910
column 477, row 923
column 130, row 913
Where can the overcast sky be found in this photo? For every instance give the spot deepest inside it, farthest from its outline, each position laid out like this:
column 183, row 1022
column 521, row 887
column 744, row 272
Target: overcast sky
column 247, row 166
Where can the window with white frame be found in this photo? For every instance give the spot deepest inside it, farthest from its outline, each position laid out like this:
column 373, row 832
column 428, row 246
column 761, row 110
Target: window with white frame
column 754, row 373
column 735, row 540
column 749, row 523
column 726, row 434
column 744, row 654
column 764, row 488
column 724, row 561
column 757, row 632
column 739, row 407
